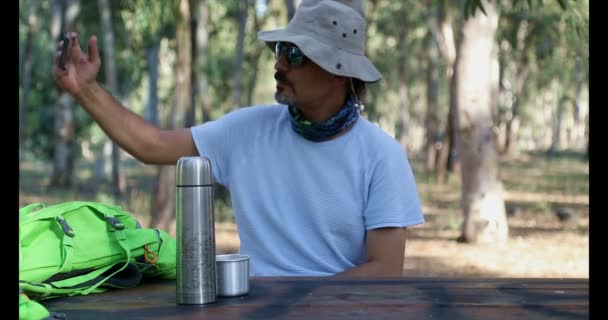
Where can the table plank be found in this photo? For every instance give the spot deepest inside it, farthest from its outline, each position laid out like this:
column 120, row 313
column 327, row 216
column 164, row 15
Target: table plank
column 333, row 298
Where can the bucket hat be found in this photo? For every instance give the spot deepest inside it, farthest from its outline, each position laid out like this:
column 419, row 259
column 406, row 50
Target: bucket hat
column 332, row 34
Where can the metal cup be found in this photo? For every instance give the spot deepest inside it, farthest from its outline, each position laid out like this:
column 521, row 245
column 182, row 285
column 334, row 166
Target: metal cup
column 232, row 275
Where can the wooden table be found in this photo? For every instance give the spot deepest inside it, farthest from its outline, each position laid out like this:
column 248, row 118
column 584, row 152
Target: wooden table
column 324, row 298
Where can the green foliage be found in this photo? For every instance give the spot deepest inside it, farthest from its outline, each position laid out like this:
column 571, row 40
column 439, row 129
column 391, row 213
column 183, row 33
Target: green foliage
column 557, row 45
column 147, row 21
column 471, row 6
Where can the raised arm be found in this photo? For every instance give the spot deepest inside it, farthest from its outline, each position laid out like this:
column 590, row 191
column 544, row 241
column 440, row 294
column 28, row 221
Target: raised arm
column 141, row 139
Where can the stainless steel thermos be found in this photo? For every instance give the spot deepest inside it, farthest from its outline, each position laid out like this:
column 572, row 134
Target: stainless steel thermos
column 196, row 274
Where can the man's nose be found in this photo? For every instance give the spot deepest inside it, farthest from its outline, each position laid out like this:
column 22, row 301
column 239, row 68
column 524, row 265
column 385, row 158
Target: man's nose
column 281, row 64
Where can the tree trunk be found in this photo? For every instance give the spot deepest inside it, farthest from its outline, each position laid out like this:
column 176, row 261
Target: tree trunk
column 446, row 145
column 557, row 119
column 254, row 76
column 560, row 95
column 151, row 111
column 63, row 164
column 494, row 87
column 447, row 153
column 26, row 73
column 432, row 83
column 447, row 46
column 102, row 166
column 482, row 192
column 202, row 39
column 504, row 92
column 191, row 113
column 63, row 157
column 579, row 113
column 183, row 87
column 163, row 202
column 403, row 122
column 513, row 119
column 521, row 76
column 162, row 181
column 240, row 52
column 163, row 209
column 257, row 53
column 118, row 178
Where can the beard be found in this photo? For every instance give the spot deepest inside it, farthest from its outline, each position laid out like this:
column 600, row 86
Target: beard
column 284, row 99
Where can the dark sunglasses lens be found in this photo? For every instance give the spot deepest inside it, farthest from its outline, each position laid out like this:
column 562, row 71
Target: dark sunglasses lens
column 293, row 54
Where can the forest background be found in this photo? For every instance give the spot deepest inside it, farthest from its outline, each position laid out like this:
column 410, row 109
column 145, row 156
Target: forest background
column 490, row 100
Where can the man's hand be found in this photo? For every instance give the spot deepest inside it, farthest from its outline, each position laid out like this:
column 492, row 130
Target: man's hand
column 80, row 69
column 385, row 251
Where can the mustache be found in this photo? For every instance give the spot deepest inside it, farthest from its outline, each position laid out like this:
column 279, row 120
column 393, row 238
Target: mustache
column 279, row 76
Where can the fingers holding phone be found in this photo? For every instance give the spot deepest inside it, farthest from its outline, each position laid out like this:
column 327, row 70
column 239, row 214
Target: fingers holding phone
column 72, row 68
column 65, row 45
column 62, row 55
column 68, row 50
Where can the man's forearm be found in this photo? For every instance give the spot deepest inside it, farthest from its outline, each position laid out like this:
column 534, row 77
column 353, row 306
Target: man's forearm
column 126, row 128
column 385, row 254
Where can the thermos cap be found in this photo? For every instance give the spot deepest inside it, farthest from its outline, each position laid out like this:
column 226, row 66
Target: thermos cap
column 193, row 171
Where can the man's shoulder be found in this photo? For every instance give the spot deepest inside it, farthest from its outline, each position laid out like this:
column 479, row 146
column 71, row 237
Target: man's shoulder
column 376, row 136
column 378, row 145
column 254, row 113
column 261, row 109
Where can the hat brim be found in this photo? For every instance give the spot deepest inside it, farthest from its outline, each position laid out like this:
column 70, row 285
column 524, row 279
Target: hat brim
column 331, row 59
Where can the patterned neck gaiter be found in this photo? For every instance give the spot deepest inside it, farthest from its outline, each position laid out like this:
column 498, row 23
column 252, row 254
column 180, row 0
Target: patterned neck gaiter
column 320, row 131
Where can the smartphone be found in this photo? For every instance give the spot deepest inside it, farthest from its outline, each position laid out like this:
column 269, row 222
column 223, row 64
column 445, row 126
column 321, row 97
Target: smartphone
column 64, row 51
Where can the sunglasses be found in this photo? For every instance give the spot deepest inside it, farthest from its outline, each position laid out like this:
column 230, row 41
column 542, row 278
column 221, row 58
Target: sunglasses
column 293, row 54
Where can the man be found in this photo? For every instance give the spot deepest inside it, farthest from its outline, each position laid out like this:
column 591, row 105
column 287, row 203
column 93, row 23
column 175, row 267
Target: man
column 317, row 190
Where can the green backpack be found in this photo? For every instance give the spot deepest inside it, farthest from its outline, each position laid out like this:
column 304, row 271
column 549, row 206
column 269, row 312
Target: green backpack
column 80, row 247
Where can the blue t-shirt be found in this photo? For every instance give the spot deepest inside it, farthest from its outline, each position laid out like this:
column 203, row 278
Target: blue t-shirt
column 302, row 208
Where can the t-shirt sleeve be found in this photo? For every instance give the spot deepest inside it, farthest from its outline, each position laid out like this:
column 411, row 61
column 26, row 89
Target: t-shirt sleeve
column 218, row 139
column 393, row 199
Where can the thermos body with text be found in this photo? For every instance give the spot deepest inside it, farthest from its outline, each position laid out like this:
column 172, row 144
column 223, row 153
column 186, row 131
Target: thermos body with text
column 196, row 274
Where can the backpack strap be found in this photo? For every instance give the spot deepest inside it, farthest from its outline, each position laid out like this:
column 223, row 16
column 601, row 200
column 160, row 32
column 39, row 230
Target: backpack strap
column 48, row 290
column 67, row 245
column 118, row 231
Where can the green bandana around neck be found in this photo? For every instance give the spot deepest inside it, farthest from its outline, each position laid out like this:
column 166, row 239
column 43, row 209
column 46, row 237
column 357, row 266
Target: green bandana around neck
column 321, row 131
